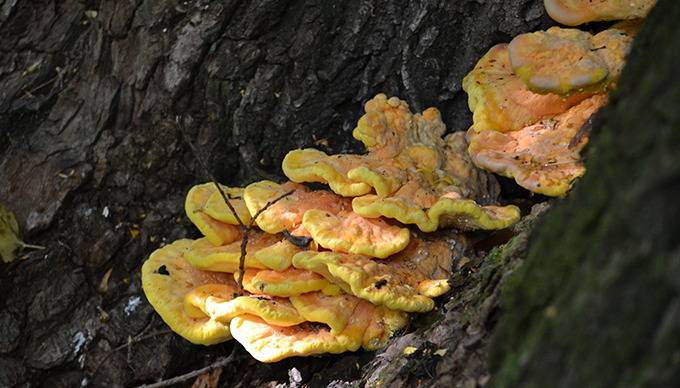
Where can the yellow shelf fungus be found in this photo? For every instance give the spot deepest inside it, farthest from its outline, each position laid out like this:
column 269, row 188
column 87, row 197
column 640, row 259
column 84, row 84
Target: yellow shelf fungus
column 292, row 310
column 270, row 343
column 538, row 157
column 325, row 273
column 406, row 281
column 310, row 165
column 201, row 306
column 328, row 272
column 216, row 208
column 499, row 100
column 427, row 210
column 286, row 283
column 218, row 232
column 530, row 99
column 349, row 232
column 215, row 301
column 288, row 212
column 575, row 12
column 205, row 255
column 565, row 61
column 354, row 322
column 409, row 169
column 335, row 324
column 167, row 278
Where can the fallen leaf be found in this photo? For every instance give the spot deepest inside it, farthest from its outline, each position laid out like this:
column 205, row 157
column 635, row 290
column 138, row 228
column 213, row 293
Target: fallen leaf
column 10, row 240
column 104, row 285
column 208, row 380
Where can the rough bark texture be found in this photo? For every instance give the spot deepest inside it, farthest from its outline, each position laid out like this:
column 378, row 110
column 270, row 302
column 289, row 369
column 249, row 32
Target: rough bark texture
column 597, row 302
column 89, row 155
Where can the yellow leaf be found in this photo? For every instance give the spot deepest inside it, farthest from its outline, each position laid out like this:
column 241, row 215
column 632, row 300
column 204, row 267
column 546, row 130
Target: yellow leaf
column 10, row 240
column 104, row 285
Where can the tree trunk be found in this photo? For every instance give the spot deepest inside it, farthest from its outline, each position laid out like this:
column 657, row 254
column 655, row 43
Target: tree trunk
column 597, row 302
column 94, row 167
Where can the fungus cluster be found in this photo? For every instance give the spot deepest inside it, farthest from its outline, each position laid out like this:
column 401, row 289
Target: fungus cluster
column 327, row 271
column 532, row 98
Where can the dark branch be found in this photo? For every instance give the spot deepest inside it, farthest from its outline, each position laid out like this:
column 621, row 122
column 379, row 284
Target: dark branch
column 245, row 229
column 244, row 241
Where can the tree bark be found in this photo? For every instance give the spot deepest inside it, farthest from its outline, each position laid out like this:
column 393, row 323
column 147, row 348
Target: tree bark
column 94, row 167
column 597, row 301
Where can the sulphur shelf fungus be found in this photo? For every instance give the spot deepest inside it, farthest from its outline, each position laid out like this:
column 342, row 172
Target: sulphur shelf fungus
column 325, row 272
column 321, row 302
column 167, row 279
column 575, row 12
column 538, row 156
column 565, row 61
column 532, row 99
column 218, row 232
column 410, row 174
column 500, row 100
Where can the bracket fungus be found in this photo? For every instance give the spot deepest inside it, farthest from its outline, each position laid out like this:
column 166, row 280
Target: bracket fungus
column 329, row 271
column 406, row 281
column 270, row 343
column 538, row 156
column 167, row 279
column 286, row 283
column 347, row 231
column 500, row 100
column 575, row 12
column 218, row 232
column 205, row 255
column 216, row 301
column 333, row 271
column 531, row 97
column 288, row 212
column 410, row 174
column 216, row 208
column 353, row 321
column 564, row 61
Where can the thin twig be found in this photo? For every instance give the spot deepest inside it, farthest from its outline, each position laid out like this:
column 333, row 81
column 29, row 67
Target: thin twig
column 29, row 93
column 587, row 125
column 59, row 77
column 244, row 241
column 245, row 229
column 558, row 163
column 179, row 379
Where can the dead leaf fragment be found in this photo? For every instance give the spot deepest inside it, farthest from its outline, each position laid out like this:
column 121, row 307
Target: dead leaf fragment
column 208, row 380
column 104, row 285
column 10, row 240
